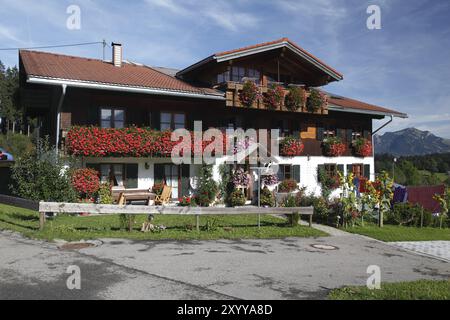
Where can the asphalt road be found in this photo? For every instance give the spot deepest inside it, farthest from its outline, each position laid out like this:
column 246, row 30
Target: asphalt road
column 224, row 269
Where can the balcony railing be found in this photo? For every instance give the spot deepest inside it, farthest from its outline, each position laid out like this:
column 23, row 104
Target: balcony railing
column 233, row 98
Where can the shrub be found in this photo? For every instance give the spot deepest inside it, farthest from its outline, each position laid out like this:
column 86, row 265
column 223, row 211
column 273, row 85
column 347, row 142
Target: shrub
column 17, row 144
column 105, row 194
column 287, row 185
column 274, row 97
column 295, row 98
column 42, row 176
column 127, row 221
column 267, row 198
column 404, row 214
column 237, row 198
column 249, row 94
column 207, row 189
column 86, row 182
column 316, row 100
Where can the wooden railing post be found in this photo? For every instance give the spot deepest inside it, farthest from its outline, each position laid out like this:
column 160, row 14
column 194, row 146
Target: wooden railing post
column 41, row 220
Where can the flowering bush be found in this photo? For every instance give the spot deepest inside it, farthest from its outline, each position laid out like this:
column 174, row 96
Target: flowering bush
column 288, row 185
column 86, row 182
column 237, row 198
column 316, row 100
column 269, row 180
column 186, row 201
column 333, row 147
column 362, row 147
column 291, row 147
column 240, row 178
column 105, row 194
column 249, row 94
column 274, row 97
column 295, row 98
column 267, row 198
column 126, row 142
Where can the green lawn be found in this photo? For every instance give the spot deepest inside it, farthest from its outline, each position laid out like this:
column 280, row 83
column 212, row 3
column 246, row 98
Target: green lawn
column 73, row 228
column 391, row 233
column 417, row 290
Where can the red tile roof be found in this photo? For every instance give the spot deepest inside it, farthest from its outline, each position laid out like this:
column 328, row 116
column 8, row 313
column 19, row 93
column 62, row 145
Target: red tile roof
column 264, row 44
column 50, row 65
column 348, row 103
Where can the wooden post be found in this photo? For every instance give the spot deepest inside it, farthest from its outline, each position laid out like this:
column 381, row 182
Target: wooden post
column 197, row 222
column 259, row 221
column 421, row 218
column 380, row 217
column 41, row 220
column 310, row 221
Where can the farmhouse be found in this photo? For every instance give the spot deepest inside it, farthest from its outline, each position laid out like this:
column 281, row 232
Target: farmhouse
column 117, row 115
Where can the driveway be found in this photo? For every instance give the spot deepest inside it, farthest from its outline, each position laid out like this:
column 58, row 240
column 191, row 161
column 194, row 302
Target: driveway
column 224, row 269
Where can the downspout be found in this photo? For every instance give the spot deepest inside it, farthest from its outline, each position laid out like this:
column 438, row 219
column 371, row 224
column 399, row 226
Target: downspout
column 58, row 116
column 373, row 134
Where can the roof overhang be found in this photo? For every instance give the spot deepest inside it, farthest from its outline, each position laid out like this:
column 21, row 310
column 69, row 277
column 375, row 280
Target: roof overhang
column 333, row 107
column 122, row 88
column 272, row 46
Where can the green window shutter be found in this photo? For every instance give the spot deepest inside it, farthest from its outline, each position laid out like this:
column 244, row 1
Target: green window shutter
column 156, row 118
column 340, row 133
column 131, row 180
column 320, row 131
column 349, row 135
column 366, row 134
column 280, row 173
column 320, row 168
column 296, row 173
column 340, row 168
column 159, row 172
column 93, row 116
column 367, row 171
column 349, row 169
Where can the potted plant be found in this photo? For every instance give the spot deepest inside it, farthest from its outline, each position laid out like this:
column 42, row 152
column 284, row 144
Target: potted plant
column 248, row 94
column 237, row 198
column 316, row 100
column 291, row 147
column 267, row 198
column 333, row 147
column 273, row 98
column 187, row 201
column 362, row 147
column 240, row 178
column 295, row 98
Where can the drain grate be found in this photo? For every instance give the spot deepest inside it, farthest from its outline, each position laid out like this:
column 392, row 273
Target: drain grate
column 324, row 247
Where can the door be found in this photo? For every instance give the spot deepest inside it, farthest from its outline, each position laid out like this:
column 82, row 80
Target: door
column 172, row 179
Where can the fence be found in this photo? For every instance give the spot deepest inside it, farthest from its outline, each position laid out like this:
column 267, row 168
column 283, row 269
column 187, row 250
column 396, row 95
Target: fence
column 19, row 202
column 98, row 209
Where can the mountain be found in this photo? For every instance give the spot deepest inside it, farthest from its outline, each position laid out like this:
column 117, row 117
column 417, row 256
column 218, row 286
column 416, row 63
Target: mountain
column 409, row 142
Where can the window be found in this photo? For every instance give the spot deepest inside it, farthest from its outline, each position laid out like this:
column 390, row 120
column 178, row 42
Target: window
column 118, row 175
column 112, row 117
column 237, row 73
column 172, row 121
column 223, row 77
column 254, row 74
column 289, row 172
column 175, row 176
column 325, row 131
column 330, row 169
column 359, row 170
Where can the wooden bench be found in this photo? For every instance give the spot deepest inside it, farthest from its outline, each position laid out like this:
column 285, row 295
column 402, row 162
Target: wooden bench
column 123, row 196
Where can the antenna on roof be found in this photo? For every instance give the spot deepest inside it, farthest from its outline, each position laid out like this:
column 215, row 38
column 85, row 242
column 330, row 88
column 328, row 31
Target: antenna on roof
column 104, row 46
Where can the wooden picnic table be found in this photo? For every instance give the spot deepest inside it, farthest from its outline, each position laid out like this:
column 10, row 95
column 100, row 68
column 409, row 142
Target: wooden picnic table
column 134, row 195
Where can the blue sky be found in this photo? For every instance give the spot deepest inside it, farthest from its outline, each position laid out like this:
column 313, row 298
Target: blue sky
column 405, row 65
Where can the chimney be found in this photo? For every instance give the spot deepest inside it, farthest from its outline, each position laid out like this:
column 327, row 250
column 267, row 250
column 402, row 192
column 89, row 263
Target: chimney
column 116, row 54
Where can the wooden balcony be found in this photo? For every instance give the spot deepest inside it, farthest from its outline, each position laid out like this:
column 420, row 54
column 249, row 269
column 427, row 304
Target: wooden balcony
column 232, row 90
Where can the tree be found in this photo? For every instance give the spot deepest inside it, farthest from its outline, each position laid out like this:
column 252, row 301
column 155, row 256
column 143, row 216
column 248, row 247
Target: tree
column 10, row 108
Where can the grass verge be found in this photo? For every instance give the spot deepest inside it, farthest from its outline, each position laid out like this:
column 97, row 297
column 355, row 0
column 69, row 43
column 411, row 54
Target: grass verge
column 417, row 290
column 72, row 228
column 390, row 233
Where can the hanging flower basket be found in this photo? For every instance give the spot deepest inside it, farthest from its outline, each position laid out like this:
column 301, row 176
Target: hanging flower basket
column 333, row 147
column 240, row 178
column 316, row 100
column 291, row 147
column 362, row 147
column 249, row 94
column 273, row 98
column 295, row 99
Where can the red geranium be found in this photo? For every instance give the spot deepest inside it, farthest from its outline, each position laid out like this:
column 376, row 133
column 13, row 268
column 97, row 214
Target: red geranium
column 86, row 182
column 291, row 147
column 333, row 147
column 363, row 147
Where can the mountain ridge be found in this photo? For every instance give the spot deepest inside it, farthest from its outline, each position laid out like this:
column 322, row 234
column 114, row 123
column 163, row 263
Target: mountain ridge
column 410, row 142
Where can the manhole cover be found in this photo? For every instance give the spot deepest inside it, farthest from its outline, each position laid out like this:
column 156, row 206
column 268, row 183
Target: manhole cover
column 324, row 247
